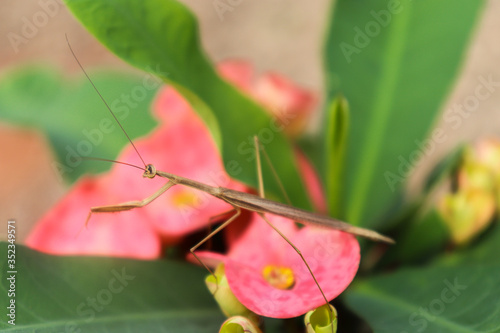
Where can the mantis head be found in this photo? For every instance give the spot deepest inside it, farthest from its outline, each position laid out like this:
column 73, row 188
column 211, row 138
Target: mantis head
column 149, row 171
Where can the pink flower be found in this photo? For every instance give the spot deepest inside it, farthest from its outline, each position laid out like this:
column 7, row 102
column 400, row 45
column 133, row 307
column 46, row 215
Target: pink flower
column 286, row 101
column 123, row 235
column 240, row 73
column 180, row 145
column 290, row 104
column 260, row 263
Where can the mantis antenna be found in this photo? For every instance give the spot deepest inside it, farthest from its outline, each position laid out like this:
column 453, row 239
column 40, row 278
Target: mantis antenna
column 102, row 98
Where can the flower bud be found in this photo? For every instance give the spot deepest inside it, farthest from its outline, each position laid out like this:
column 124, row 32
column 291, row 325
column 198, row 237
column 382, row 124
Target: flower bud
column 467, row 213
column 228, row 303
column 476, row 176
column 239, row 324
column 487, row 152
column 321, row 320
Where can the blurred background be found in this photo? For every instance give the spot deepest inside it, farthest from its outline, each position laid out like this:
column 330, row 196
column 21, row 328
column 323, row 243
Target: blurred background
column 281, row 36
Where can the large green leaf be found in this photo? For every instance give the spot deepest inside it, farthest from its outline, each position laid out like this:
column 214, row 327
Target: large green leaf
column 426, row 234
column 458, row 293
column 395, row 62
column 161, row 36
column 85, row 294
column 73, row 117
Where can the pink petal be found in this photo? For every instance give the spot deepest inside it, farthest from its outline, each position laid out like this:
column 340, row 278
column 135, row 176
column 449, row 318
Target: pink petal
column 211, row 259
column 60, row 231
column 259, row 235
column 313, row 184
column 239, row 73
column 332, row 255
column 169, row 106
column 289, row 103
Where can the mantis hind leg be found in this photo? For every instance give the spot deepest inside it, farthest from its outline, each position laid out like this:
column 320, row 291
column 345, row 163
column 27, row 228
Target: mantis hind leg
column 261, row 193
column 258, row 148
column 210, row 235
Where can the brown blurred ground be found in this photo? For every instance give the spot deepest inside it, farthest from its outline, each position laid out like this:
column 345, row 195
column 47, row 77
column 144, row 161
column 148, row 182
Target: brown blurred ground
column 283, row 36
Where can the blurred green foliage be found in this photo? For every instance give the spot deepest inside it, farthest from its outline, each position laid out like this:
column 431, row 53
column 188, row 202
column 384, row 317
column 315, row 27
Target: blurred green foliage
column 394, row 63
column 73, row 116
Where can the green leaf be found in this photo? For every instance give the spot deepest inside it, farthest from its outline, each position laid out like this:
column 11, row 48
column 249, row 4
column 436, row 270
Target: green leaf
column 423, row 230
column 85, row 294
column 445, row 169
column 395, row 62
column 425, row 235
column 161, row 36
column 72, row 115
column 456, row 294
column 337, row 126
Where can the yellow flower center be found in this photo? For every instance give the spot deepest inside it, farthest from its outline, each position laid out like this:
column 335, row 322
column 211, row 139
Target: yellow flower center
column 279, row 277
column 184, row 198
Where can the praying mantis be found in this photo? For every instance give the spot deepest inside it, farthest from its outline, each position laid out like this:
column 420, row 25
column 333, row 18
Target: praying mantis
column 238, row 200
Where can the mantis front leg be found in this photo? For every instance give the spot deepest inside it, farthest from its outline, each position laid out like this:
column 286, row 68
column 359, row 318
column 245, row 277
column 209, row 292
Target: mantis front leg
column 129, row 204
